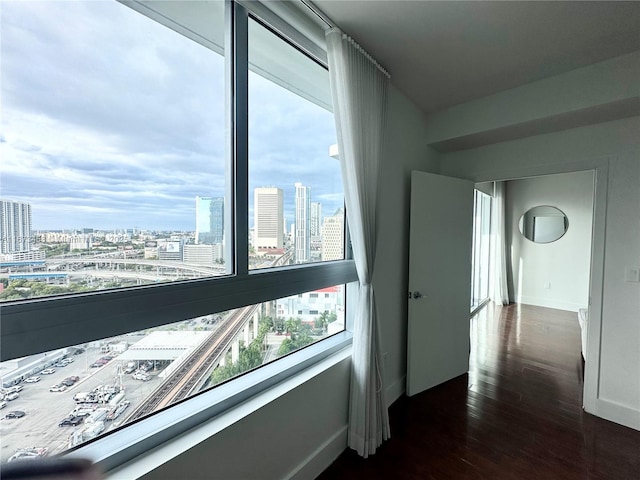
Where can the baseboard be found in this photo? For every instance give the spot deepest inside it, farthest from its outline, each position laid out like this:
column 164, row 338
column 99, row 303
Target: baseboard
column 614, row 412
column 550, row 303
column 322, row 457
column 326, row 454
column 396, row 390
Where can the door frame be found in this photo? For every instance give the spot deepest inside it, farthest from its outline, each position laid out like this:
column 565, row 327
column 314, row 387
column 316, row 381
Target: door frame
column 592, row 402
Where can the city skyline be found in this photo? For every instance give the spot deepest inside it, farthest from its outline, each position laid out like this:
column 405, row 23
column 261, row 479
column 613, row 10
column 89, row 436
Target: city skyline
column 114, row 141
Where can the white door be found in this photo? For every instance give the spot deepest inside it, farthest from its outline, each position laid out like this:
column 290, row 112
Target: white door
column 439, row 279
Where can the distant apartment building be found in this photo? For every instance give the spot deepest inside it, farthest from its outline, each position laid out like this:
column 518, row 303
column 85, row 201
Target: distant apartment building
column 151, row 250
column 206, row 255
column 268, row 218
column 333, row 236
column 302, row 237
column 15, row 227
column 80, row 242
column 209, row 220
column 310, row 305
column 315, row 223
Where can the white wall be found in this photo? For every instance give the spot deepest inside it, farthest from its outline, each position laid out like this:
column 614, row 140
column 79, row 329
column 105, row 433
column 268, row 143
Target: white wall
column 620, row 354
column 615, row 366
column 563, row 265
column 405, row 150
column 275, row 441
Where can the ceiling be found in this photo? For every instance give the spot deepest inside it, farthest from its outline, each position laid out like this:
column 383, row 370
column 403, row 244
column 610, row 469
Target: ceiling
column 442, row 54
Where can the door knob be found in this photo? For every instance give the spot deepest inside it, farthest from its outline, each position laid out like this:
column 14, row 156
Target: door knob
column 417, row 295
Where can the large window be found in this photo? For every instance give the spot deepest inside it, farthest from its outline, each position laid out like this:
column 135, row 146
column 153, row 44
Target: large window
column 481, row 248
column 114, row 141
column 75, row 394
column 296, row 195
column 143, row 161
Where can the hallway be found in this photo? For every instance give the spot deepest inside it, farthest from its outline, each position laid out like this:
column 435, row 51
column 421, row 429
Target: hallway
column 516, row 415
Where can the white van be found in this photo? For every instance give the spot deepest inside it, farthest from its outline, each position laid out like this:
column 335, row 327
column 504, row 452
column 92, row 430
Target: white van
column 93, row 430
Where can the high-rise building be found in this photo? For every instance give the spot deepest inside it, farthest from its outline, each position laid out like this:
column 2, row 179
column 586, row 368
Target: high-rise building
column 15, row 227
column 333, row 236
column 303, row 223
column 268, row 219
column 316, row 219
column 209, row 220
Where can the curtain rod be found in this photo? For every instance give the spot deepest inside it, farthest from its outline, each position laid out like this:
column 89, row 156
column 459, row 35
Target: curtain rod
column 319, row 13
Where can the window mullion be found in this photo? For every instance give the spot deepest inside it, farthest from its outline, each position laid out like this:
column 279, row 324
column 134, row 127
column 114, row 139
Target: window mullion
column 237, row 100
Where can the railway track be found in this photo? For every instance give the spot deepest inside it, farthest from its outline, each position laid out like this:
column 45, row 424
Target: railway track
column 182, row 381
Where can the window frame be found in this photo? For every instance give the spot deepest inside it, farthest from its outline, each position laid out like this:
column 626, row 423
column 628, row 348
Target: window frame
column 43, row 324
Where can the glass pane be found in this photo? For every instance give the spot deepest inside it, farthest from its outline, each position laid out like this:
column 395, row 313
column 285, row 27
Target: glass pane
column 113, row 145
column 485, row 247
column 295, row 187
column 481, row 248
column 72, row 395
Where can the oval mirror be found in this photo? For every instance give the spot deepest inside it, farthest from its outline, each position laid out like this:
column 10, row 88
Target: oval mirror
column 543, row 224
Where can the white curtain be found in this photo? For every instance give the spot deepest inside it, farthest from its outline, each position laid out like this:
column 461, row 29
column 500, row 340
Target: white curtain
column 499, row 292
column 359, row 92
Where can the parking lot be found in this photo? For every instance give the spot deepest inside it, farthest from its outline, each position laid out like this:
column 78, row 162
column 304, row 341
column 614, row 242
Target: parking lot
column 45, row 409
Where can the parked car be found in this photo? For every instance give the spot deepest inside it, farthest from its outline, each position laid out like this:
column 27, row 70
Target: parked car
column 140, row 376
column 82, row 411
column 48, row 371
column 15, row 414
column 73, row 378
column 3, row 404
column 71, row 420
column 28, row 453
column 12, row 396
column 57, row 388
column 22, row 456
column 33, row 379
column 59, row 365
column 15, row 388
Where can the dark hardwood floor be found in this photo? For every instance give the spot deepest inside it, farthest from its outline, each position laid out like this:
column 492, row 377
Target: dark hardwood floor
column 516, row 415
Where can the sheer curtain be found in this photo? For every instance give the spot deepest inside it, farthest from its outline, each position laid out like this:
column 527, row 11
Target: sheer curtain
column 499, row 292
column 359, row 91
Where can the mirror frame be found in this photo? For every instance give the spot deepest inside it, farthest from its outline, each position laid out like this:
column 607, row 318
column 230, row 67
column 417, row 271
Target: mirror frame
column 551, row 228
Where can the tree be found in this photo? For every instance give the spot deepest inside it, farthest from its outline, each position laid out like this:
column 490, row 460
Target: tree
column 322, row 321
column 250, row 357
column 300, row 336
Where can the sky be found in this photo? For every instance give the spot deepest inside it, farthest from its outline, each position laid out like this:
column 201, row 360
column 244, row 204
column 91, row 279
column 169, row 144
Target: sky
column 111, row 120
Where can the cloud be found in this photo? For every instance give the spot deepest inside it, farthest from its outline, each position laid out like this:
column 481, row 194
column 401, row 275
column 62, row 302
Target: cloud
column 111, row 120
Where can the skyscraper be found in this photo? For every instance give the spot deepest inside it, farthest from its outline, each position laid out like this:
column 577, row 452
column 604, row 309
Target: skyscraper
column 303, row 210
column 333, row 236
column 209, row 220
column 15, row 227
column 268, row 218
column 316, row 219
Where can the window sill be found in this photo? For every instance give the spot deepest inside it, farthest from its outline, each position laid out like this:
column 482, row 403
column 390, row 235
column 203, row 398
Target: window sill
column 146, row 445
